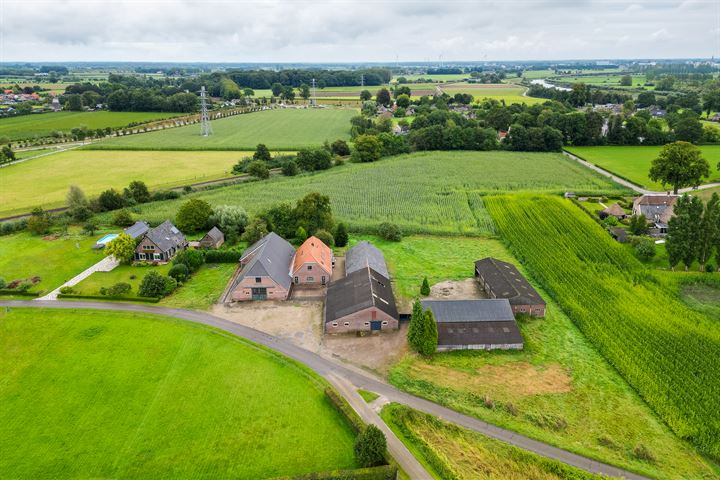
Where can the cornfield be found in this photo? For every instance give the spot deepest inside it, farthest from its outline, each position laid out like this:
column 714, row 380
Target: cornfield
column 669, row 353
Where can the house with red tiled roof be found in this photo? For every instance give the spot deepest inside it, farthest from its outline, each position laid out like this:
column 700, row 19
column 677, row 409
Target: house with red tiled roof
column 313, row 263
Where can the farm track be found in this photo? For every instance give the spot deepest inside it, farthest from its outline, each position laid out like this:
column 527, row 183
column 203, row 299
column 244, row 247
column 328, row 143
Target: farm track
column 333, row 370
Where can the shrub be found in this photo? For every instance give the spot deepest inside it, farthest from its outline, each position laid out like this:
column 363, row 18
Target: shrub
column 122, row 218
column 390, row 231
column 192, row 259
column 256, row 229
column 290, row 168
column 325, row 237
column 341, row 235
column 39, row 222
column 3, row 284
column 371, row 447
column 24, row 286
column 119, row 289
column 179, row 272
column 638, row 225
column 709, row 268
column 301, row 234
column 67, row 289
column 89, row 227
column 367, row 149
column 641, row 452
column 110, row 200
column 155, row 285
column 258, row 169
column 6, row 228
column 262, row 153
column 645, row 249
column 340, row 147
column 222, row 256
column 193, row 215
column 311, row 159
column 425, row 288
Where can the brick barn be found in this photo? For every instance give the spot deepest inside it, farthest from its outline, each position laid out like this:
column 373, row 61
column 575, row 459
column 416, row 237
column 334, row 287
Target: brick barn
column 487, row 324
column 503, row 280
column 313, row 263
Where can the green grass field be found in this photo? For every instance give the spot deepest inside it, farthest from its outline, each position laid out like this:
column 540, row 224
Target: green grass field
column 281, row 129
column 45, row 181
column 559, row 389
column 447, row 77
column 203, row 289
column 43, row 124
column 55, row 261
column 633, row 163
column 122, row 273
column 604, row 80
column 428, row 192
column 448, row 451
column 93, row 394
column 666, row 351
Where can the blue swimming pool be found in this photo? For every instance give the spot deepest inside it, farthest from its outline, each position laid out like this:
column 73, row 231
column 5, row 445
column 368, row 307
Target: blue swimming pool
column 106, row 239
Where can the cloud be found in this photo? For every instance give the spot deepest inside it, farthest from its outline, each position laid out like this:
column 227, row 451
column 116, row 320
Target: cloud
column 347, row 31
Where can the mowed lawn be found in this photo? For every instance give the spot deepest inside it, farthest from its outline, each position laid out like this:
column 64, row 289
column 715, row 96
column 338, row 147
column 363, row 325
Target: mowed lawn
column 280, row 129
column 45, row 181
column 95, row 394
column 43, row 124
column 427, row 192
column 633, row 163
column 54, row 260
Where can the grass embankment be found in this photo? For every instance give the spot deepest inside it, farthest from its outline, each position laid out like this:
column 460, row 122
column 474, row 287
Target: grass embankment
column 633, row 163
column 279, row 129
column 54, row 259
column 667, row 352
column 450, row 452
column 428, row 192
column 93, row 394
column 43, row 124
column 559, row 389
column 45, row 181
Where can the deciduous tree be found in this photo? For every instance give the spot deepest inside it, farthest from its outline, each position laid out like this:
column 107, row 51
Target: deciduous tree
column 193, row 215
column 122, row 248
column 679, row 164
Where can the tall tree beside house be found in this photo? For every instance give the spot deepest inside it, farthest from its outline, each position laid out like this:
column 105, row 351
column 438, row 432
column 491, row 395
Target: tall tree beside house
column 78, row 205
column 371, row 447
column 255, row 230
column 429, row 341
column 425, row 287
column 231, row 219
column 193, row 215
column 382, row 97
column 341, row 235
column 709, row 226
column 639, row 225
column 414, row 334
column 681, row 165
column 313, row 213
column 683, row 237
column 122, row 248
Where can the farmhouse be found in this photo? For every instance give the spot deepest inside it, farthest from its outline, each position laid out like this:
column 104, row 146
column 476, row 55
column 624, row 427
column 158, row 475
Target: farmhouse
column 161, row 243
column 313, row 263
column 137, row 230
column 364, row 255
column 362, row 301
column 264, row 271
column 503, row 280
column 487, row 324
column 658, row 209
column 213, row 239
column 615, row 210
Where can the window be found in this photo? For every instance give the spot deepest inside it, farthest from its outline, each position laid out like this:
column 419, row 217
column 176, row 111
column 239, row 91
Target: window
column 297, row 280
column 148, row 247
column 141, row 256
column 258, row 280
column 309, row 267
column 156, row 256
column 310, row 279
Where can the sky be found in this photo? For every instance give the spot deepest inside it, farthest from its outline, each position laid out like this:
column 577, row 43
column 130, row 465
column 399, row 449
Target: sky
column 355, row 31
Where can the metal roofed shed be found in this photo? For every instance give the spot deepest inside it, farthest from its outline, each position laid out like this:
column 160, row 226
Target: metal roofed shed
column 137, row 230
column 364, row 255
column 503, row 280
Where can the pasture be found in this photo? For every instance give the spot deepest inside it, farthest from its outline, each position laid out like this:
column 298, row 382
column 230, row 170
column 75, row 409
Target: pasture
column 501, row 92
column 426, row 192
column 556, row 390
column 43, row 124
column 45, row 181
column 633, row 163
column 96, row 394
column 604, row 80
column 279, row 129
column 667, row 352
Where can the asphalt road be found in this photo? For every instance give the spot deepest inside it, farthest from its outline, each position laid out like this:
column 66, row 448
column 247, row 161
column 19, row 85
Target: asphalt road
column 333, row 370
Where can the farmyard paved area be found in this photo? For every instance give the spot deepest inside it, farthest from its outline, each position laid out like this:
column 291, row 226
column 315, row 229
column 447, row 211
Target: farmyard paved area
column 330, row 370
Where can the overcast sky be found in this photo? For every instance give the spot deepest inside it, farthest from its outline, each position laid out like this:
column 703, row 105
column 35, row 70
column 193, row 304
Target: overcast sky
column 345, row 31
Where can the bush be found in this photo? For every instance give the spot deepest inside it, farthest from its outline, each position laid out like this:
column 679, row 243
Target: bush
column 256, row 229
column 367, row 149
column 425, row 288
column 155, row 285
column 290, row 168
column 6, row 228
column 340, row 147
column 119, row 289
column 301, row 234
column 641, row 452
column 110, row 200
column 325, row 237
column 645, row 249
column 122, row 218
column 67, row 290
column 341, row 235
column 192, row 259
column 371, row 447
column 39, row 222
column 390, row 231
column 222, row 256
column 193, row 215
column 258, row 169
column 311, row 159
column 179, row 272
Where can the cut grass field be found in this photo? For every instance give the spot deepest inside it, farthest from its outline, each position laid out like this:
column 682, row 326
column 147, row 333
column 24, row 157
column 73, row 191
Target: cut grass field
column 203, row 289
column 559, row 389
column 94, row 394
column 43, row 124
column 633, row 163
column 55, row 261
column 427, row 192
column 279, row 129
column 448, row 451
column 45, row 181
column 122, row 273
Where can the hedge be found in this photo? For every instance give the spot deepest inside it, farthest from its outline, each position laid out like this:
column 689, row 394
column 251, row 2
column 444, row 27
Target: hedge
column 109, row 297
column 344, row 408
column 384, row 472
column 222, row 256
column 19, row 293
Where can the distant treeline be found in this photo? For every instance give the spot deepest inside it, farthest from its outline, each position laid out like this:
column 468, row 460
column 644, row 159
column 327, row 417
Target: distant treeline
column 263, row 79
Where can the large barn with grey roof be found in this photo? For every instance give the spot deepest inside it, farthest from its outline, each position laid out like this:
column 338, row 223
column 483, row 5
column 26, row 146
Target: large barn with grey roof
column 503, row 280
